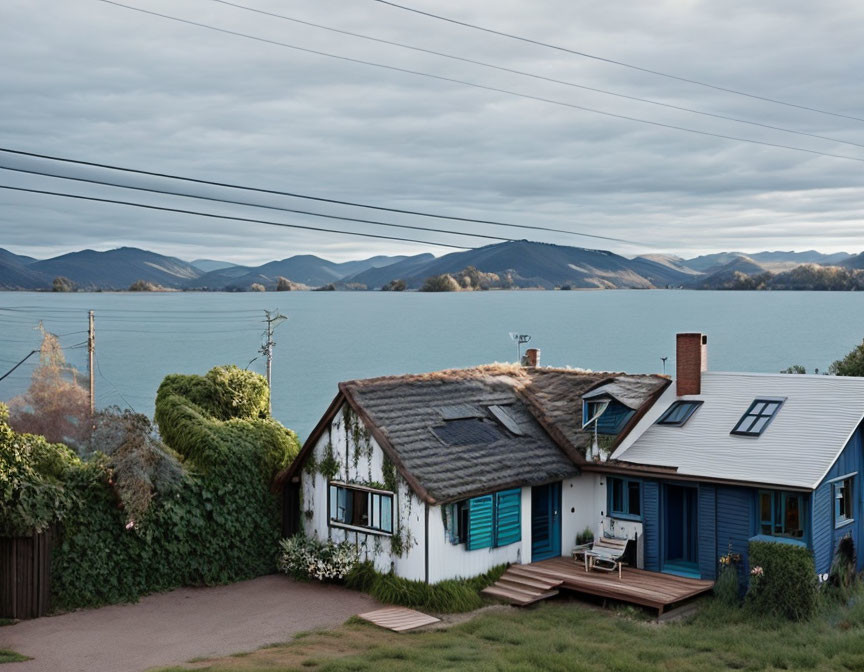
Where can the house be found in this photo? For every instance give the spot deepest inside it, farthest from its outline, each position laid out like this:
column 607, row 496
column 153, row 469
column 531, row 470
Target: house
column 723, row 458
column 448, row 474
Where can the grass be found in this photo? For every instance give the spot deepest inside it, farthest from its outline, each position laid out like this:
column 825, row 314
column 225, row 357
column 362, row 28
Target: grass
column 446, row 597
column 567, row 636
column 9, row 656
column 7, row 621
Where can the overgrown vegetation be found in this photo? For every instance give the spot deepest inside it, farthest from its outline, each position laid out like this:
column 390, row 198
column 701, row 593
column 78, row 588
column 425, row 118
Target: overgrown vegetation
column 307, row 558
column 851, row 365
column 137, row 515
column 467, row 280
column 782, row 581
column 450, row 596
column 9, row 656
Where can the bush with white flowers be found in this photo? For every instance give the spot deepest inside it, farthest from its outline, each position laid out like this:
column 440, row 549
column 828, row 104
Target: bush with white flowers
column 306, row 557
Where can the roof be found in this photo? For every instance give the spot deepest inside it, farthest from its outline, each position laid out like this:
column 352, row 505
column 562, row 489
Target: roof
column 818, row 417
column 463, row 432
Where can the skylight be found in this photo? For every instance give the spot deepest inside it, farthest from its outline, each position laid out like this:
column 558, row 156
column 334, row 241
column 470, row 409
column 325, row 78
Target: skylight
column 679, row 413
column 757, row 417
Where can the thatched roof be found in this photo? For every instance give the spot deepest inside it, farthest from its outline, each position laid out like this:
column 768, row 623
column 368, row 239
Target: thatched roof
column 463, row 432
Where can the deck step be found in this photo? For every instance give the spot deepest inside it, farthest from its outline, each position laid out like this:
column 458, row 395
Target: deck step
column 532, row 574
column 525, row 583
column 520, row 598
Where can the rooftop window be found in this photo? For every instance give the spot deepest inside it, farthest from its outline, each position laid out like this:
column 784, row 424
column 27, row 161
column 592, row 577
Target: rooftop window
column 757, row 417
column 679, row 413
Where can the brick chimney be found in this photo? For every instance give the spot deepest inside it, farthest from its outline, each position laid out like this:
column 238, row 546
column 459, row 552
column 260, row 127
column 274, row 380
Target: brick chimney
column 690, row 361
column 531, row 357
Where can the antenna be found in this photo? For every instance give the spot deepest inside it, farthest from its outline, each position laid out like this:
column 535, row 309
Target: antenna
column 520, row 339
column 663, row 359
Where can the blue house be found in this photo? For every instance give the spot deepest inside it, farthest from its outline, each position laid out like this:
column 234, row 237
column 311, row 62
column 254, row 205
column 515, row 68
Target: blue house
column 724, row 458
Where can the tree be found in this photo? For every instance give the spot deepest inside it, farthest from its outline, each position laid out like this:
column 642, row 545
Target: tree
column 145, row 286
column 795, row 368
column 62, row 284
column 55, row 405
column 284, row 284
column 394, row 286
column 257, row 287
column 851, row 365
column 440, row 283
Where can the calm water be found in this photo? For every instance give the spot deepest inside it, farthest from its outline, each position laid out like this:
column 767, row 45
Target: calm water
column 333, row 336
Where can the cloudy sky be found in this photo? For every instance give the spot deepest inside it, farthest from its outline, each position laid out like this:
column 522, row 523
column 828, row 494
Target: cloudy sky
column 93, row 81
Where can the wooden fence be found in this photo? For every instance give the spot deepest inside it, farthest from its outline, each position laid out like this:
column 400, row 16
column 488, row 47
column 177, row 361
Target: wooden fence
column 25, row 575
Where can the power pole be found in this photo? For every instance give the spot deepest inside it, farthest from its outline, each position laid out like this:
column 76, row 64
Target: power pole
column 91, row 349
column 273, row 319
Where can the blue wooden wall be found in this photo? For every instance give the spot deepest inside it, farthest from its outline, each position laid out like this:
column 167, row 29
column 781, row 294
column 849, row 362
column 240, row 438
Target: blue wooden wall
column 824, row 535
column 651, row 525
column 707, row 516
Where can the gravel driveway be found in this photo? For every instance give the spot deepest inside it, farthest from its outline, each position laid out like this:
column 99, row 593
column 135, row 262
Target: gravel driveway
column 170, row 628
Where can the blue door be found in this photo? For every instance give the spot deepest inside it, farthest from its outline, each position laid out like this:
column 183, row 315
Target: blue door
column 681, row 527
column 545, row 521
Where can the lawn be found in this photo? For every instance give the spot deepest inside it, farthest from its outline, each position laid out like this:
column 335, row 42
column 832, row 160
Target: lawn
column 7, row 656
column 568, row 636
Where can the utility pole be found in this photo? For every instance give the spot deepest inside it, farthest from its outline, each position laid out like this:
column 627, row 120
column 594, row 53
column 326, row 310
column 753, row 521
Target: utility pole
column 91, row 350
column 273, row 319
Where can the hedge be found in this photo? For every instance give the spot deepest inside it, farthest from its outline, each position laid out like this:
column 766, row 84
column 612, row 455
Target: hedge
column 219, row 523
column 782, row 580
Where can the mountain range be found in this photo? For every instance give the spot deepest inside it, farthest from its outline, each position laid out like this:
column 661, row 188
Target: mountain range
column 524, row 264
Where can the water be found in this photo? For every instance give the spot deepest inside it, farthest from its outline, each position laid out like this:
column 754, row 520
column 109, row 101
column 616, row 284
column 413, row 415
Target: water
column 334, row 336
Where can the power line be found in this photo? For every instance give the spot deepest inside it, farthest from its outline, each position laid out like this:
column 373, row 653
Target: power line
column 485, row 87
column 254, row 205
column 120, row 394
column 614, row 62
column 544, row 78
column 31, row 353
column 306, row 196
column 227, row 217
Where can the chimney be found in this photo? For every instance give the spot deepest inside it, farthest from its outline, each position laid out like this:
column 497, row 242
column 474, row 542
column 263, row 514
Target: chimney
column 690, row 361
column 531, row 357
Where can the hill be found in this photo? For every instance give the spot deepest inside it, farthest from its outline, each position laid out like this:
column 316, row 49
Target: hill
column 116, row 269
column 772, row 261
column 530, row 264
column 728, row 274
column 207, row 265
column 17, row 275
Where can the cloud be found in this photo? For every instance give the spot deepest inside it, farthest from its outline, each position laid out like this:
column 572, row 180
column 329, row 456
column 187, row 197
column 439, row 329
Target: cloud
column 93, row 81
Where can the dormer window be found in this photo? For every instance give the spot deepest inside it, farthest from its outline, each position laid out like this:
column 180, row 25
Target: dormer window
column 758, row 417
column 679, row 413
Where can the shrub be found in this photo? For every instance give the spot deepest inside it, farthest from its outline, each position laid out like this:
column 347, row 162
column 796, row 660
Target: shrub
column 308, row 558
column 726, row 588
column 842, row 576
column 440, row 283
column 450, row 596
column 782, row 580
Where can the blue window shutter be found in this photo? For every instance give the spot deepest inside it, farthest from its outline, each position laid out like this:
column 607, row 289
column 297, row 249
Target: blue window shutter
column 508, row 517
column 480, row 519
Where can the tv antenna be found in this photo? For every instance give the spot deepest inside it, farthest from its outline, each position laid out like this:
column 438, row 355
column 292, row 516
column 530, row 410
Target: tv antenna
column 520, row 340
column 663, row 359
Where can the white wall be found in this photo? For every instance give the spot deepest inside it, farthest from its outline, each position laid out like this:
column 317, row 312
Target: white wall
column 364, row 466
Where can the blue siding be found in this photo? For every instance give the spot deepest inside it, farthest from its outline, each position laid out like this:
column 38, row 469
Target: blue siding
column 824, row 534
column 651, row 524
column 735, row 525
column 708, row 531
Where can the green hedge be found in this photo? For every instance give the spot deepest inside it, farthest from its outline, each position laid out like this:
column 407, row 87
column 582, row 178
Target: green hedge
column 450, row 596
column 219, row 523
column 782, row 580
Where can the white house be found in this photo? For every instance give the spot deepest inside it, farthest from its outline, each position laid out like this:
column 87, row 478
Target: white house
column 448, row 474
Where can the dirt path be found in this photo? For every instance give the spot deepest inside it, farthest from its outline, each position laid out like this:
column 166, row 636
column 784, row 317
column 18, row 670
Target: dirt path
column 170, row 628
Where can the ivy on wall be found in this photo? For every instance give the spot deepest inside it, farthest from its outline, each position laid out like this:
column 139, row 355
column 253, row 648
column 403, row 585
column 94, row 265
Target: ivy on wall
column 218, row 523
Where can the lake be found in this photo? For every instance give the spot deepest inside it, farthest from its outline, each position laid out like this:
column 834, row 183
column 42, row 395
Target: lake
column 334, row 336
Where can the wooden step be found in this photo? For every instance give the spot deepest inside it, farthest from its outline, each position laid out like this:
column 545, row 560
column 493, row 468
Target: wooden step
column 518, row 597
column 525, row 583
column 538, row 576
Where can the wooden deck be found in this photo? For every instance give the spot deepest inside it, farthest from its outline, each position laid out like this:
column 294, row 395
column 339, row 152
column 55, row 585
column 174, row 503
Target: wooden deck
column 636, row 586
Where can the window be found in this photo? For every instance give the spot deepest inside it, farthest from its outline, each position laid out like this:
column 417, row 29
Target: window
column 487, row 521
column 781, row 514
column 757, row 417
column 609, row 414
column 624, row 497
column 357, row 506
column 844, row 512
column 679, row 413
column 468, row 432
